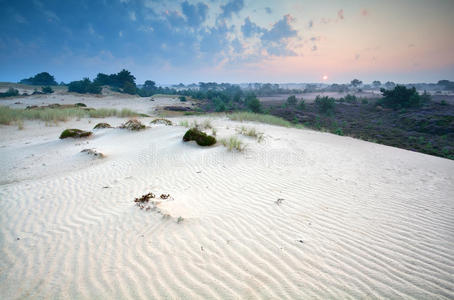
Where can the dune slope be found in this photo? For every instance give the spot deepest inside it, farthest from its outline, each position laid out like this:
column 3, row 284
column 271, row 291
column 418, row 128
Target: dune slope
column 354, row 219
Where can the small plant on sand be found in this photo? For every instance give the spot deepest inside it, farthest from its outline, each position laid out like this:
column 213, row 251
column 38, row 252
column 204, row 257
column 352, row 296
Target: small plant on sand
column 102, row 125
column 201, row 138
column 180, row 219
column 184, row 123
column 20, row 124
column 206, row 124
column 233, row 143
column 161, row 121
column 74, row 133
column 133, row 124
column 251, row 132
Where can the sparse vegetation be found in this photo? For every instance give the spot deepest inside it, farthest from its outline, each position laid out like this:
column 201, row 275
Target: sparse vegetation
column 251, row 132
column 201, row 138
column 47, row 90
column 74, row 133
column 262, row 118
column 233, row 143
column 57, row 114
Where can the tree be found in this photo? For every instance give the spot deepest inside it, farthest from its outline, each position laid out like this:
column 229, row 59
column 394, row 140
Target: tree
column 376, row 84
column 42, row 78
column 253, row 103
column 84, row 86
column 325, row 104
column 356, row 82
column 129, row 88
column 291, row 100
column 390, row 85
column 402, row 97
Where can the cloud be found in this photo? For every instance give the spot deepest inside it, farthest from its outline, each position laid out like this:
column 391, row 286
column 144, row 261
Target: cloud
column 230, row 8
column 195, row 14
column 340, row 14
column 280, row 30
column 249, row 29
column 20, row 19
column 132, row 16
column 364, row 12
column 275, row 40
column 268, row 10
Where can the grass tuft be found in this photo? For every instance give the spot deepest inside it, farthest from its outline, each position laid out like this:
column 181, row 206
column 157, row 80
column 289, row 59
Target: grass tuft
column 233, row 143
column 251, row 132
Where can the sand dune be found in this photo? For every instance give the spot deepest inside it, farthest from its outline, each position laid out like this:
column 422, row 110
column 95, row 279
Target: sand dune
column 357, row 220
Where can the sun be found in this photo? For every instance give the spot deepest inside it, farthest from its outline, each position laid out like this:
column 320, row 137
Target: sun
column 325, row 77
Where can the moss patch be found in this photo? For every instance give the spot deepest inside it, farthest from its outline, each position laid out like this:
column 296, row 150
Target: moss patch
column 74, row 133
column 201, row 138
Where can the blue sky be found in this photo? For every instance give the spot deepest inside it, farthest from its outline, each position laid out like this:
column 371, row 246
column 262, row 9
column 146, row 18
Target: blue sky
column 229, row 41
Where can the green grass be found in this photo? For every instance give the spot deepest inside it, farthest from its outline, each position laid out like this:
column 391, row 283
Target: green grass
column 9, row 115
column 233, row 143
column 261, row 118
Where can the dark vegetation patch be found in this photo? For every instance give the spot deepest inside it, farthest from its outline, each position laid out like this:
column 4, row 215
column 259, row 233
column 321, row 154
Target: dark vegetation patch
column 42, row 78
column 161, row 121
column 74, row 133
column 201, row 138
column 427, row 128
column 9, row 93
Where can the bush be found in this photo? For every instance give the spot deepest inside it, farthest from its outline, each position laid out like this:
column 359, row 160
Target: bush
column 302, row 105
column 444, row 103
column 182, row 98
column 9, row 93
column 84, row 86
column 325, row 104
column 402, row 97
column 74, row 133
column 79, row 104
column 201, row 138
column 254, row 105
column 291, row 101
column 47, row 90
column 364, row 101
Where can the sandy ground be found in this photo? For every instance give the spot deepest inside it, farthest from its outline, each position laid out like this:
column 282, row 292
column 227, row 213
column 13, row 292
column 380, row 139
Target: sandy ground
column 356, row 220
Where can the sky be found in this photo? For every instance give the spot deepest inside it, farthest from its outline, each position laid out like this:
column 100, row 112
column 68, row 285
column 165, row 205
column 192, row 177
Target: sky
column 232, row 41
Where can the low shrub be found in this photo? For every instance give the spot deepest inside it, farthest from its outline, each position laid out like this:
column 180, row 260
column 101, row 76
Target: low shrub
column 182, row 98
column 133, row 124
column 161, row 121
column 102, row 125
column 80, row 104
column 9, row 93
column 201, row 138
column 74, row 133
column 291, row 100
column 47, row 90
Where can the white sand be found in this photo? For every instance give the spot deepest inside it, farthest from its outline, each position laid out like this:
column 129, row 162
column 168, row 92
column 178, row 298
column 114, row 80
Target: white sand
column 358, row 220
